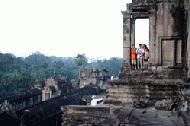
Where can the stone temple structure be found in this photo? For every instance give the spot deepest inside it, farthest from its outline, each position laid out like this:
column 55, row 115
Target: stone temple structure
column 169, row 57
column 51, row 89
column 96, row 77
column 146, row 98
column 168, row 34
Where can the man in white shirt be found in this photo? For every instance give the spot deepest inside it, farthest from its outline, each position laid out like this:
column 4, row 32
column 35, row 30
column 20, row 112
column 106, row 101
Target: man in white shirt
column 140, row 52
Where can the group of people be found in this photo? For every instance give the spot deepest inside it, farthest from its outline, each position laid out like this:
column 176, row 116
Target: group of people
column 139, row 57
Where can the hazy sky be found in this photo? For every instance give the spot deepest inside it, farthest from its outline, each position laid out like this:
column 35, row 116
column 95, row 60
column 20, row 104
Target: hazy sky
column 62, row 27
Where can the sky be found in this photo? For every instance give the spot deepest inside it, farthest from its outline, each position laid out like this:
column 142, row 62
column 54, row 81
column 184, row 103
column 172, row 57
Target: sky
column 62, row 28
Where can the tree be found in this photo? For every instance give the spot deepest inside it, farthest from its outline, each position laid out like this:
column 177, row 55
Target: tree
column 81, row 60
column 58, row 67
column 19, row 74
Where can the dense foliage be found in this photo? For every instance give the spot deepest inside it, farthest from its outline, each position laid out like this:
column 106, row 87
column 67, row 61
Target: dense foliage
column 19, row 74
column 81, row 60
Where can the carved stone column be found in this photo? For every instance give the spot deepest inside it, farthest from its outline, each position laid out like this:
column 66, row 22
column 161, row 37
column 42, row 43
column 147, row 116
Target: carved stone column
column 132, row 31
column 126, row 38
column 152, row 41
column 188, row 45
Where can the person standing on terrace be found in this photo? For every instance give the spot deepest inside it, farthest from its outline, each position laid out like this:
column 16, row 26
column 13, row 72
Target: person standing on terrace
column 133, row 57
column 146, row 58
column 140, row 52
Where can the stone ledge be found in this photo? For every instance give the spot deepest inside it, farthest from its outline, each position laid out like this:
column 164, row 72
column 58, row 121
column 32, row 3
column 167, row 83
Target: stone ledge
column 119, row 115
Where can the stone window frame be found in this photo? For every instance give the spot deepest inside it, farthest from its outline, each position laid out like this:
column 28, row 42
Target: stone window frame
column 160, row 40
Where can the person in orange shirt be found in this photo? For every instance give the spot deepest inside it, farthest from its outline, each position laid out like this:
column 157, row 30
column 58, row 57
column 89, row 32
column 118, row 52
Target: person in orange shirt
column 133, row 57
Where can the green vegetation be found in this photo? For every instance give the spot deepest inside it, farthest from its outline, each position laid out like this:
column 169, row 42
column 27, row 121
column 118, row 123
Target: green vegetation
column 81, row 60
column 19, row 74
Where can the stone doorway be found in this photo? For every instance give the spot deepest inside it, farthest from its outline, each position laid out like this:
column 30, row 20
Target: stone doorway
column 141, row 32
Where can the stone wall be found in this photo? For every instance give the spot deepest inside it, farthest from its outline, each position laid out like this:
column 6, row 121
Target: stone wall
column 21, row 101
column 88, row 115
column 117, row 116
column 96, row 77
column 169, row 33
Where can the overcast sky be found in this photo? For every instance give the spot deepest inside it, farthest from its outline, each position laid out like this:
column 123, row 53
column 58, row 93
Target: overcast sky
column 62, row 27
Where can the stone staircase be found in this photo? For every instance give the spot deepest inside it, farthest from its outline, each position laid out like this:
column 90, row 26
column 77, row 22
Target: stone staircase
column 144, row 90
column 138, row 86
